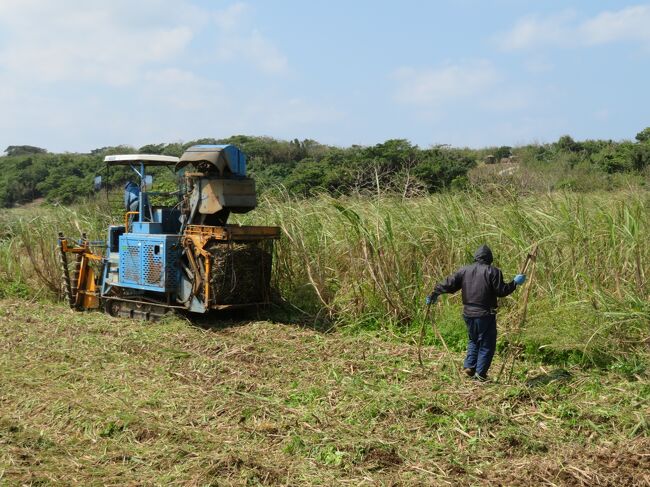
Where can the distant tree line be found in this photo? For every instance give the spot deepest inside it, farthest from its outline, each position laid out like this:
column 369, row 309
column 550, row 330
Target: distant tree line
column 307, row 167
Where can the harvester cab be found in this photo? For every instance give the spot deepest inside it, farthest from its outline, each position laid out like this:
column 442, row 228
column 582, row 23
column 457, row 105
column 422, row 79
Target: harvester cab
column 185, row 256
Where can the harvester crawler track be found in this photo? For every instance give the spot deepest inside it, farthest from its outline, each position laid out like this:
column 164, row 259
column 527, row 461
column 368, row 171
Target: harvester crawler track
column 126, row 308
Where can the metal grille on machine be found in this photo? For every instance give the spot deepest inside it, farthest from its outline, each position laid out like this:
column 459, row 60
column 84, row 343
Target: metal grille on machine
column 130, row 268
column 149, row 262
column 152, row 264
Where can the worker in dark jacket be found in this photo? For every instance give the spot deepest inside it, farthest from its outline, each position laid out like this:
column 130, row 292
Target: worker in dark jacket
column 481, row 285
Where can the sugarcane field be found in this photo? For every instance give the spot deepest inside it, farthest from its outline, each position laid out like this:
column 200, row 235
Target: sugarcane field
column 410, row 274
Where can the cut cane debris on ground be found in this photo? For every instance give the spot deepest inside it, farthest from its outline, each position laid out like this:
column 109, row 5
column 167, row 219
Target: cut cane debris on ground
column 87, row 399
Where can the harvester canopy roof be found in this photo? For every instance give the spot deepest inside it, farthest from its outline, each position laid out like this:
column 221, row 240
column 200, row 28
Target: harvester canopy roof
column 222, row 157
column 147, row 159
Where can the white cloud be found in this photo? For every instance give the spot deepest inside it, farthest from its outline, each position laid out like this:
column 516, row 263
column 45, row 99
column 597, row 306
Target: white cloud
column 435, row 87
column 182, row 90
column 30, row 114
column 534, row 30
column 115, row 41
column 565, row 29
column 232, row 17
column 507, row 99
column 538, row 65
column 288, row 116
column 81, row 74
column 238, row 41
column 254, row 48
column 86, row 41
column 628, row 24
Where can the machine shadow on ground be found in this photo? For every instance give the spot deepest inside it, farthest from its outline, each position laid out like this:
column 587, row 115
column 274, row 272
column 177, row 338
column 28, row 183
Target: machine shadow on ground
column 281, row 314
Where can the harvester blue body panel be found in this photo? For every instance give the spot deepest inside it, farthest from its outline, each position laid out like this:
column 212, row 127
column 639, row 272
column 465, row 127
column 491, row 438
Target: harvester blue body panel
column 149, row 262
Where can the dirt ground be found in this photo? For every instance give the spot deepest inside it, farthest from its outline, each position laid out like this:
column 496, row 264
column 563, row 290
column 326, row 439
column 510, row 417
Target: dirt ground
column 86, row 399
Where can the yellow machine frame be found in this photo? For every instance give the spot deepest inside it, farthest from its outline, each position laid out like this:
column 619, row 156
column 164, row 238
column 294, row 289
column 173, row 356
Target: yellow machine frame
column 197, row 236
column 85, row 293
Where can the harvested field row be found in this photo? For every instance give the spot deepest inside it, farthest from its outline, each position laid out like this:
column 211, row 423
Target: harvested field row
column 86, row 399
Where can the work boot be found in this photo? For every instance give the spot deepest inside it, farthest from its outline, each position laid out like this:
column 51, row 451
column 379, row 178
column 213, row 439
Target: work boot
column 469, row 372
column 480, row 378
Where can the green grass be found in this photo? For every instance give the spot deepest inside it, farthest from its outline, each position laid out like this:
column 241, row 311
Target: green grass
column 365, row 264
column 368, row 263
column 91, row 400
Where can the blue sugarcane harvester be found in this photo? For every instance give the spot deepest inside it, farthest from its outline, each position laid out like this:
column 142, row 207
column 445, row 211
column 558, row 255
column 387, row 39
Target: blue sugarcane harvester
column 185, row 256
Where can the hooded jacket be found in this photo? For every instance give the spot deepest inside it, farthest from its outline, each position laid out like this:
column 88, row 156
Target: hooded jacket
column 481, row 285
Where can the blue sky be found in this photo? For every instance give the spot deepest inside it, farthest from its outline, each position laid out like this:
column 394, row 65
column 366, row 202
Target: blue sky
column 81, row 74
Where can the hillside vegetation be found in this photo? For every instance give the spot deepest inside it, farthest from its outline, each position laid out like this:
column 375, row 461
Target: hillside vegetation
column 308, row 167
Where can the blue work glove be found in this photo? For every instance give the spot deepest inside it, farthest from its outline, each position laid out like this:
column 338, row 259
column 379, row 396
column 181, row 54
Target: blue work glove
column 431, row 299
column 519, row 279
